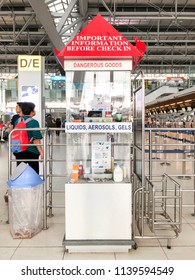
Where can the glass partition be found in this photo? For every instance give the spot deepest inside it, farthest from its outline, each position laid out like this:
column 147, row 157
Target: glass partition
column 98, row 127
column 104, row 96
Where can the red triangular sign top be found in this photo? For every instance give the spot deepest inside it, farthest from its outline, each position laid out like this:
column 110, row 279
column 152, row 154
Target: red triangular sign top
column 100, row 40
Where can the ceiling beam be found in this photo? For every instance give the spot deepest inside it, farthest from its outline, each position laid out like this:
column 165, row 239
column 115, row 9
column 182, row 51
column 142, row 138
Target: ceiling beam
column 169, row 66
column 44, row 17
column 138, row 33
column 65, row 16
column 83, row 7
column 75, row 32
column 1, row 3
column 24, row 27
column 71, row 25
column 16, row 13
column 144, row 14
column 40, row 42
column 48, row 47
column 145, row 58
column 93, row 11
column 14, row 56
column 22, row 47
column 109, row 11
column 47, row 2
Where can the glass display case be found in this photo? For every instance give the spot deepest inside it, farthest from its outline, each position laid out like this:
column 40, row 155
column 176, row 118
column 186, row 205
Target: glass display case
column 99, row 124
column 99, row 155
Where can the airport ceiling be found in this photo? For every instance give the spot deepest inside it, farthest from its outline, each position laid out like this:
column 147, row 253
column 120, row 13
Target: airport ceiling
column 37, row 26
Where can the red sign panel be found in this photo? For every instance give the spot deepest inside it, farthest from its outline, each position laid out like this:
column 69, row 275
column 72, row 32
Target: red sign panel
column 100, row 40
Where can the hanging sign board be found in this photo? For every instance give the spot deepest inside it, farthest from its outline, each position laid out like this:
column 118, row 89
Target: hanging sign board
column 99, row 40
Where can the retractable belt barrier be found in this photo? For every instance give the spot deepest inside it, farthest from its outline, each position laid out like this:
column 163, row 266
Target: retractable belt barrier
column 175, row 151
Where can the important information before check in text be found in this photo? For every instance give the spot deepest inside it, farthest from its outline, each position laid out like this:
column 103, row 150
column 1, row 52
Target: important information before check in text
column 99, row 44
column 111, row 47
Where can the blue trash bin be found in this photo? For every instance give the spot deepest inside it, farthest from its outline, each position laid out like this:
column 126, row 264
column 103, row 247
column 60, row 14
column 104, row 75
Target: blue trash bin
column 25, row 202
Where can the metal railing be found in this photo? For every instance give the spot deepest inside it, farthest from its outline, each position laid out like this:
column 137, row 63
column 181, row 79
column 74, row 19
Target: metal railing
column 174, row 149
column 52, row 173
column 158, row 206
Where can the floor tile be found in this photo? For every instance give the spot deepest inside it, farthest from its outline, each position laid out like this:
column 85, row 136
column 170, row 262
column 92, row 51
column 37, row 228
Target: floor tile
column 44, row 253
column 185, row 238
column 143, row 253
column 6, row 239
column 180, row 253
column 6, row 253
column 57, row 216
column 147, row 242
column 53, row 236
column 187, row 215
column 193, row 226
column 89, row 256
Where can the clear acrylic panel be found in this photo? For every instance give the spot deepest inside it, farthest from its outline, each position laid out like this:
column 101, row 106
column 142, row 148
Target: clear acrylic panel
column 98, row 97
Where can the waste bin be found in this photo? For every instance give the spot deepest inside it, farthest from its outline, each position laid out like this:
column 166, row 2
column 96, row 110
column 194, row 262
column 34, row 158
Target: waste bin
column 25, row 202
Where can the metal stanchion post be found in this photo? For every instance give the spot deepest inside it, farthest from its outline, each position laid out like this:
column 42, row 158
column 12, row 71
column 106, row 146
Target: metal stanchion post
column 50, row 213
column 155, row 146
column 165, row 153
column 150, row 155
column 177, row 139
column 193, row 214
column 191, row 141
column 45, row 182
column 177, row 136
column 184, row 177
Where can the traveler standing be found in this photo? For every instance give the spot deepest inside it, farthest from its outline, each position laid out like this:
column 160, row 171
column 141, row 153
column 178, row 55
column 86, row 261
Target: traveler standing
column 58, row 125
column 15, row 117
column 50, row 123
column 32, row 152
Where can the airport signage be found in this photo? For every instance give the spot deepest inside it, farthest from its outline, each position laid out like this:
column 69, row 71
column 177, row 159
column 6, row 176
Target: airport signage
column 97, row 127
column 29, row 63
column 86, row 65
column 99, row 40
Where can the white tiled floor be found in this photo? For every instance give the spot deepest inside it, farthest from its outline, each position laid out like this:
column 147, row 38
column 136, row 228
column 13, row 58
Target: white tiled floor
column 47, row 245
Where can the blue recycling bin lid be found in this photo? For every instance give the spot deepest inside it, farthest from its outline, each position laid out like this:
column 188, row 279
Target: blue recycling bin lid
column 24, row 176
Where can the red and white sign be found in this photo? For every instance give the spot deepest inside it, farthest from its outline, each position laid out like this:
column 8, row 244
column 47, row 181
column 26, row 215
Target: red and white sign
column 95, row 65
column 99, row 40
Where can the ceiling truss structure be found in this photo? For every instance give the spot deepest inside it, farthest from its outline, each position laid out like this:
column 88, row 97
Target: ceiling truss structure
column 37, row 26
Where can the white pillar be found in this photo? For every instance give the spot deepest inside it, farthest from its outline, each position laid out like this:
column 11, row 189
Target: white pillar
column 2, row 96
column 31, row 74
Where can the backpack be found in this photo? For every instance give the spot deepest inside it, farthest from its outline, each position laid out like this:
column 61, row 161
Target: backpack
column 20, row 136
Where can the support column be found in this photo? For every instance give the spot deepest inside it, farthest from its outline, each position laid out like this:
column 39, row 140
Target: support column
column 31, row 74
